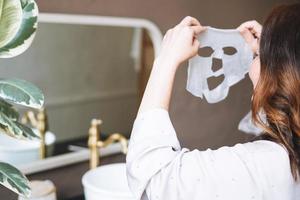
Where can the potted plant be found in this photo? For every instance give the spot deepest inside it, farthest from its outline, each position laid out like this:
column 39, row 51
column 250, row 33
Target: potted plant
column 18, row 24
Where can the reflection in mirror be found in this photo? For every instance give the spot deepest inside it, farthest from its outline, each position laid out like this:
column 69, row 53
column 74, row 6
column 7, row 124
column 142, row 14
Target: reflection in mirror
column 85, row 72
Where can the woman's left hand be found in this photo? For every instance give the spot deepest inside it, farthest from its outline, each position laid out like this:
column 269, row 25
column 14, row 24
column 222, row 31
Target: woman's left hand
column 180, row 43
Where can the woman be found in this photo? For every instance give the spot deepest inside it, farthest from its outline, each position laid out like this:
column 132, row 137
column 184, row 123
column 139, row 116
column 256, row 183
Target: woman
column 266, row 169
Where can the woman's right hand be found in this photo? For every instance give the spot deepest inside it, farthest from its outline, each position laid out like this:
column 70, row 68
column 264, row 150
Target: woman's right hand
column 180, row 43
column 251, row 31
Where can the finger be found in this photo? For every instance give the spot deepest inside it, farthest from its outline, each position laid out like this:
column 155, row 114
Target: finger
column 196, row 45
column 198, row 29
column 248, row 36
column 190, row 21
column 250, row 39
column 193, row 31
column 253, row 26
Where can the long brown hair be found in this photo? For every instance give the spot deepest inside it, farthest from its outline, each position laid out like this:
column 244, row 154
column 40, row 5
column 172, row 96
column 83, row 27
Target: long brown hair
column 277, row 93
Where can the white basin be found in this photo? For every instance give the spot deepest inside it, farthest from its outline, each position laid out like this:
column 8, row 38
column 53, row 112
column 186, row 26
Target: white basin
column 18, row 152
column 108, row 182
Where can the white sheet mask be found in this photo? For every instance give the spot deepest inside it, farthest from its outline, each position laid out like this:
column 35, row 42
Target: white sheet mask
column 226, row 47
column 246, row 125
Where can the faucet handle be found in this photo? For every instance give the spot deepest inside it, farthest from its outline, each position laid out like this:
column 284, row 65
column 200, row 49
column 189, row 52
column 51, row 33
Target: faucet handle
column 95, row 127
column 40, row 122
column 96, row 122
column 29, row 118
column 93, row 141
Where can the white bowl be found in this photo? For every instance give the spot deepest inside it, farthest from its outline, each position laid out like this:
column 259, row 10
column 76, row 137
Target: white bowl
column 18, row 152
column 108, row 182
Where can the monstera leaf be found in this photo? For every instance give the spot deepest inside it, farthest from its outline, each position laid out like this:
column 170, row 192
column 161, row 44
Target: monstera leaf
column 11, row 18
column 16, row 129
column 18, row 23
column 21, row 92
column 13, row 179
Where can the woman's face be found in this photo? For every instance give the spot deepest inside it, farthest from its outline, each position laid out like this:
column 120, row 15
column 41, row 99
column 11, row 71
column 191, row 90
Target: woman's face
column 254, row 71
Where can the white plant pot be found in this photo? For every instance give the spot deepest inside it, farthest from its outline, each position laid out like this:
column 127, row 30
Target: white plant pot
column 18, row 152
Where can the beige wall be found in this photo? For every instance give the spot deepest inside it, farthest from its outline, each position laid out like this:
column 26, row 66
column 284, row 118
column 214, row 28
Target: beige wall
column 198, row 124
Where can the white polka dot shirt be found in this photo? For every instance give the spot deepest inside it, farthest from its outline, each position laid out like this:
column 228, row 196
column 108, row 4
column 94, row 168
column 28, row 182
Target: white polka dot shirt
column 159, row 169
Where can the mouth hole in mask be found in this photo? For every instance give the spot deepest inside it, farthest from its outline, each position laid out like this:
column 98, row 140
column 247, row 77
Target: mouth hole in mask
column 214, row 82
column 229, row 50
column 205, row 51
column 216, row 64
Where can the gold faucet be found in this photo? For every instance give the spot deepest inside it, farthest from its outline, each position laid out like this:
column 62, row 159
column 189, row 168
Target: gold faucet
column 40, row 122
column 95, row 143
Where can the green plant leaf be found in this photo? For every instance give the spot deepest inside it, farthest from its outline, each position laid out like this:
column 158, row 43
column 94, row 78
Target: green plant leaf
column 14, row 180
column 24, row 3
column 26, row 32
column 27, row 132
column 16, row 129
column 8, row 110
column 10, row 21
column 21, row 92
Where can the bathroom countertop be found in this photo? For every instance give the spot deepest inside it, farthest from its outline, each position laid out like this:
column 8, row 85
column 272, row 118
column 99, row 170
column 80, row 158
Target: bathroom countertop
column 66, row 179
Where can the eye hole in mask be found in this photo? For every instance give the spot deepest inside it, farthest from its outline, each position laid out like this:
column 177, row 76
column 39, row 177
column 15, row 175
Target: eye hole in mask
column 205, row 51
column 229, row 50
column 214, row 82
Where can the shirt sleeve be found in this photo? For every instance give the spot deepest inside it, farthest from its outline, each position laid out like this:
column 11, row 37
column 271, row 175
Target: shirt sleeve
column 153, row 145
column 158, row 168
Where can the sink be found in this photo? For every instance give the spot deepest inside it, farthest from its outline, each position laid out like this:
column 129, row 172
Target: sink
column 18, row 152
column 108, row 182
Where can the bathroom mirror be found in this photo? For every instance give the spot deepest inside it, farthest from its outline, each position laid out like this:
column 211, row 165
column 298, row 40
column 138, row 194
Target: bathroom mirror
column 88, row 67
